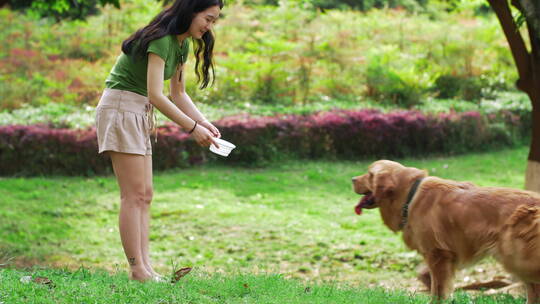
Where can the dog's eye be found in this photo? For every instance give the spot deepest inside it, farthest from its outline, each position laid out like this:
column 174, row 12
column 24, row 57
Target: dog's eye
column 370, row 175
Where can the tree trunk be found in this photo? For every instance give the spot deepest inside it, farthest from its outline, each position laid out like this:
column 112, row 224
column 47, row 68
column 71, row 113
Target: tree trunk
column 532, row 177
column 532, row 180
column 528, row 66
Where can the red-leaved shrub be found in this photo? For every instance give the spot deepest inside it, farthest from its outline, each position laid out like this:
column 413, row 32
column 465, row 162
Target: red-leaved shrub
column 339, row 134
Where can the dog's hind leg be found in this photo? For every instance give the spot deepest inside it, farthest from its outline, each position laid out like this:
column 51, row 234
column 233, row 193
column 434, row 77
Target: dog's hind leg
column 533, row 293
column 442, row 269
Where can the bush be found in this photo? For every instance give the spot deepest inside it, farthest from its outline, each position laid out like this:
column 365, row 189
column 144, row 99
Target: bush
column 31, row 150
column 387, row 86
column 447, row 86
column 364, row 5
column 467, row 88
column 39, row 150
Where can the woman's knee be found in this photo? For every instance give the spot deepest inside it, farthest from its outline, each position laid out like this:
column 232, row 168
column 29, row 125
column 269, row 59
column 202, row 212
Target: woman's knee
column 135, row 198
column 148, row 196
column 138, row 198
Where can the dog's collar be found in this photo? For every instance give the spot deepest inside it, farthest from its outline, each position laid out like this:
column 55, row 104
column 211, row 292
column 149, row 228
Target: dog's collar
column 405, row 211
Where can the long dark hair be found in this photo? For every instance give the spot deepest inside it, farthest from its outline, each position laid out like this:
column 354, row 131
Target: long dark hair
column 175, row 20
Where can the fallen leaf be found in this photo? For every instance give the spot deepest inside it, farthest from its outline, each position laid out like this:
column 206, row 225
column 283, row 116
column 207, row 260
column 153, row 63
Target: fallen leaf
column 246, row 285
column 180, row 274
column 44, row 281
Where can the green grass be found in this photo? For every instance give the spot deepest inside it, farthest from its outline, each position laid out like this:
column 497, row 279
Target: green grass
column 295, row 219
column 83, row 286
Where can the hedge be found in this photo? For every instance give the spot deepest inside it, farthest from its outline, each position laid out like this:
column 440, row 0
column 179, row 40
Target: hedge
column 339, row 134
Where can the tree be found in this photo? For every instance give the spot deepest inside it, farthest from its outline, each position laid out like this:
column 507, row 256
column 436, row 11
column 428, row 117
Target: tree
column 527, row 62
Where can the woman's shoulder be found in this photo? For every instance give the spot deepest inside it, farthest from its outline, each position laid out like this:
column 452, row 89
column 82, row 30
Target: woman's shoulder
column 163, row 42
column 162, row 46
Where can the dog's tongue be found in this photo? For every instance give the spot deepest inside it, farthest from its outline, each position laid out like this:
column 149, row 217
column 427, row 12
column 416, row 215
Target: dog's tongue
column 364, row 201
column 358, row 208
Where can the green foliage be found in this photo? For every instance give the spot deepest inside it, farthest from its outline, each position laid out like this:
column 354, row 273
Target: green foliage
column 61, row 9
column 277, row 56
column 363, row 5
column 59, row 115
column 478, row 7
column 448, row 86
column 385, row 85
column 65, row 62
column 471, row 88
column 467, row 88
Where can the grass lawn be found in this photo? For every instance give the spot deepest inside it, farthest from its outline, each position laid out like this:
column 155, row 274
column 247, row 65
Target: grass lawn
column 294, row 219
column 82, row 286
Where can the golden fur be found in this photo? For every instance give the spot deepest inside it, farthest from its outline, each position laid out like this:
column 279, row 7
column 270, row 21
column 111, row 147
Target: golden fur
column 454, row 224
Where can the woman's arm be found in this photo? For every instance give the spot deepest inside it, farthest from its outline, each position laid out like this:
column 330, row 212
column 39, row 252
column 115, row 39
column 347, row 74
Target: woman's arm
column 181, row 98
column 184, row 102
column 155, row 80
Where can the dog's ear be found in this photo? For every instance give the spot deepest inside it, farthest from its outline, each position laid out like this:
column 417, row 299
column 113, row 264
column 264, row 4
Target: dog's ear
column 384, row 184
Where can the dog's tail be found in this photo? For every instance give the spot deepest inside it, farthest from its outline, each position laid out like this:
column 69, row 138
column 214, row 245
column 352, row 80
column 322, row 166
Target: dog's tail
column 519, row 244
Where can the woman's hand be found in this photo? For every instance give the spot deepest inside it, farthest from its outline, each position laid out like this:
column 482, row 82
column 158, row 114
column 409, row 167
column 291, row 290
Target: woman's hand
column 203, row 136
column 205, row 123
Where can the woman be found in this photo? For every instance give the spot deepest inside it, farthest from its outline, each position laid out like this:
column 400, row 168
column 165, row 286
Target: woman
column 124, row 116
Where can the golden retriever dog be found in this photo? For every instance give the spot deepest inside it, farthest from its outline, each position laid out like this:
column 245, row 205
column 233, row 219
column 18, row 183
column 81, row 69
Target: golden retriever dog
column 455, row 224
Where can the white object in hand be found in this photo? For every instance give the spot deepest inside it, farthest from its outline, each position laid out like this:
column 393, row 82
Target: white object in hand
column 225, row 147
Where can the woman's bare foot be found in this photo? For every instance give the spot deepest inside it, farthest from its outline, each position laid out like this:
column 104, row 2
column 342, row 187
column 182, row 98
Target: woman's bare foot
column 155, row 276
column 140, row 274
column 151, row 270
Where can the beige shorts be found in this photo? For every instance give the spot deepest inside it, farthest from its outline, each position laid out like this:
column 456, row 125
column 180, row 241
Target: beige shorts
column 123, row 122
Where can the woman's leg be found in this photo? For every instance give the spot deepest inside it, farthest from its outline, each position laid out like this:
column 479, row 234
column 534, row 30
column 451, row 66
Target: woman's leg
column 145, row 217
column 130, row 173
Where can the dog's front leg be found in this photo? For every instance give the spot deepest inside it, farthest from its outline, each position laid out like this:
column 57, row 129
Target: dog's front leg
column 533, row 293
column 424, row 276
column 442, row 268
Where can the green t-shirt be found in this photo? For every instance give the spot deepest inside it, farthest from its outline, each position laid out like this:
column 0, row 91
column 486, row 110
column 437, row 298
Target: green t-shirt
column 129, row 72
